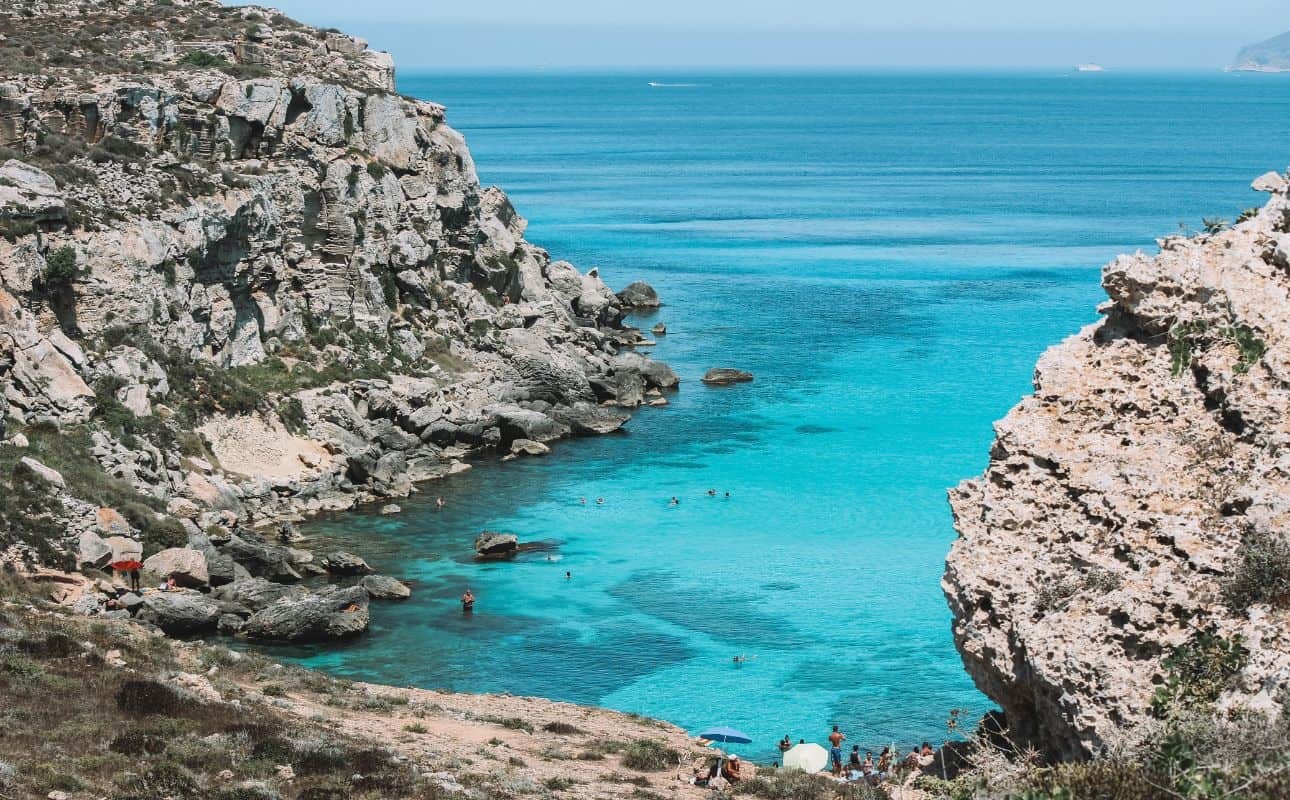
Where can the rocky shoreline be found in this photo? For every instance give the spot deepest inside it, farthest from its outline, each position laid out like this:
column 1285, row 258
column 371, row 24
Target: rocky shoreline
column 243, row 282
column 1129, row 535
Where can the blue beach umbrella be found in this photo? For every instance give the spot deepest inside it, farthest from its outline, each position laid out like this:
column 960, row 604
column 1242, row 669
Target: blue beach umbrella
column 725, row 735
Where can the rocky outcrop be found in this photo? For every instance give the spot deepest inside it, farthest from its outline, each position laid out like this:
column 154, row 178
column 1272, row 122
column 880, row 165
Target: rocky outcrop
column 1123, row 497
column 332, row 613
column 492, row 544
column 259, row 284
column 179, row 613
column 639, row 294
column 725, row 376
column 383, row 587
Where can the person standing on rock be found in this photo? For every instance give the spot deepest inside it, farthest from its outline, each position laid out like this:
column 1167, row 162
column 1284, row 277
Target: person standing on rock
column 468, row 602
column 835, row 749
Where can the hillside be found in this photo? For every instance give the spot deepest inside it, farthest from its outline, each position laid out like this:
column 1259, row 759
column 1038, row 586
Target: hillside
column 1272, row 55
column 242, row 281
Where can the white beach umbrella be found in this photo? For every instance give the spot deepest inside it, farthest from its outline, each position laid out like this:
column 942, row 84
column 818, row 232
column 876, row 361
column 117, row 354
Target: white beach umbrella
column 809, row 757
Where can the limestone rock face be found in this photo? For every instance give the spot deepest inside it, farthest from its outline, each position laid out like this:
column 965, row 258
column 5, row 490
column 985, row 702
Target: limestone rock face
column 1120, row 494
column 187, row 567
column 179, row 612
column 279, row 260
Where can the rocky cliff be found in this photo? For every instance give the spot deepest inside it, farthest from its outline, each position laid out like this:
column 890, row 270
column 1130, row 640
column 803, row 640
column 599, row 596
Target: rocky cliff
column 1272, row 55
column 243, row 280
column 1140, row 498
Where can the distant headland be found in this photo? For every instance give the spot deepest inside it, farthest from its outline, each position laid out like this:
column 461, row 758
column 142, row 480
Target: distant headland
column 1272, row 55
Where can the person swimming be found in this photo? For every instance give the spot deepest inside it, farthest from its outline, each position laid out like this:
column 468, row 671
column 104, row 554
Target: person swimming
column 439, row 503
column 712, row 493
column 600, row 501
column 568, row 575
column 468, row 602
column 674, row 502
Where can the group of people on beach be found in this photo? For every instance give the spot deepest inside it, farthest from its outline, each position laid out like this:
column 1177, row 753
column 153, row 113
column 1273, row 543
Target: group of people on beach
column 854, row 768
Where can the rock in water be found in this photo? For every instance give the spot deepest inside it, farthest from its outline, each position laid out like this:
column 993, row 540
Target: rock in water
column 659, row 330
column 724, row 376
column 638, row 294
column 529, row 448
column 492, row 544
column 342, row 563
column 382, row 587
column 256, row 594
column 179, row 613
column 332, row 613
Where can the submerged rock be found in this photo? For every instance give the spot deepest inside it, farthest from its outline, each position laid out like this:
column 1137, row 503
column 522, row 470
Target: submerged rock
column 724, row 376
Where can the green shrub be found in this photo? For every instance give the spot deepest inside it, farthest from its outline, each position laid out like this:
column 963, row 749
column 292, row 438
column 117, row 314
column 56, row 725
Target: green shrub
column 377, row 170
column 203, row 60
column 649, row 755
column 1197, row 673
column 1263, row 573
column 1250, row 346
column 60, row 267
column 563, row 729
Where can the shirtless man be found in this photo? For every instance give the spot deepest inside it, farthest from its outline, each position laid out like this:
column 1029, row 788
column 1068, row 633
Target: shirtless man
column 468, row 602
column 835, row 750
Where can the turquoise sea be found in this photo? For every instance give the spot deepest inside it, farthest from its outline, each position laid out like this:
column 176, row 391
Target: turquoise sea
column 889, row 254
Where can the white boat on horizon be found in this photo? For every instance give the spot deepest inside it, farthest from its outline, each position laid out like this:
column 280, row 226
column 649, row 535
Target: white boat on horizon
column 1089, row 68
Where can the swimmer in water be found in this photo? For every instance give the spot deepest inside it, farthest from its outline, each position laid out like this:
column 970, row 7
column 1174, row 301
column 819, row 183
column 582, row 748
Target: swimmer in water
column 582, row 501
column 568, row 575
column 674, row 502
column 439, row 503
column 712, row 493
column 468, row 602
column 600, row 501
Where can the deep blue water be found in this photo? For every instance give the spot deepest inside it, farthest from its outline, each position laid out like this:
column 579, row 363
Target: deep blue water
column 889, row 254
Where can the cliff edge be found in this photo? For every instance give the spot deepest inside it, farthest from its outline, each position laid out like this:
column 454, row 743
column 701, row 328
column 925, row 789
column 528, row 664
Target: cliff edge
column 1138, row 502
column 243, row 280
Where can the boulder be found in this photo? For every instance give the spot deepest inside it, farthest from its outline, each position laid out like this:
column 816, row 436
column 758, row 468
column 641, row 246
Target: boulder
column 51, row 476
column 659, row 330
column 528, row 447
column 92, row 550
column 260, row 559
column 256, row 594
column 383, row 587
column 724, row 376
column 639, row 294
column 30, row 193
column 585, row 419
column 332, row 613
column 179, row 613
column 520, row 423
column 187, row 567
column 124, row 548
column 342, row 563
column 654, row 373
column 492, row 544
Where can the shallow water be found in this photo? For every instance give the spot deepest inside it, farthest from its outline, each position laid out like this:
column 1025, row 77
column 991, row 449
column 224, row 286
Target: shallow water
column 889, row 254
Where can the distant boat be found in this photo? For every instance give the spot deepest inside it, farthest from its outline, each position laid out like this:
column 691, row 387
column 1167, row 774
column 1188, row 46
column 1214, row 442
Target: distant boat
column 1089, row 68
column 658, row 85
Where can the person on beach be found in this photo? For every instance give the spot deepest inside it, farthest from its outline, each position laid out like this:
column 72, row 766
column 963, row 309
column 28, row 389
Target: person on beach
column 730, row 769
column 836, row 738
column 866, row 766
column 785, row 744
column 134, row 580
column 468, row 602
column 854, row 761
column 884, row 763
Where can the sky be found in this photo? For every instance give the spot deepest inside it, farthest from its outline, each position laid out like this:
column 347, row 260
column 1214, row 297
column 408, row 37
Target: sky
column 802, row 34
